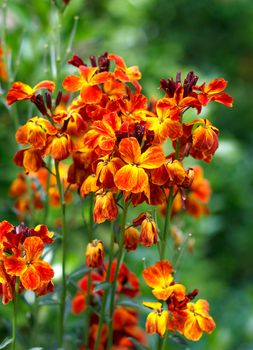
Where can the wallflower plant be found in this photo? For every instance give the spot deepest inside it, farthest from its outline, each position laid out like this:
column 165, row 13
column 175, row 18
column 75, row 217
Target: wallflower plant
column 115, row 142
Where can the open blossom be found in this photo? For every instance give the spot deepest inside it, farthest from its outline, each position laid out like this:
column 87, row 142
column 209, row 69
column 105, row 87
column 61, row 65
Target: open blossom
column 31, row 269
column 157, row 320
column 160, row 278
column 198, row 320
column 132, row 177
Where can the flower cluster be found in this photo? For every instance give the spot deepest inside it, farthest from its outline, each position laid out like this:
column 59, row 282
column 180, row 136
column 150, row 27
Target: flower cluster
column 180, row 314
column 115, row 137
column 20, row 260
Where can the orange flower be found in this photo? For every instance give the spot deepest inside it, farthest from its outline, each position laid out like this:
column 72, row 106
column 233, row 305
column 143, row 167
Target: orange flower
column 105, row 207
column 204, row 140
column 157, row 320
column 160, row 278
column 95, row 253
column 21, row 91
column 198, row 320
column 30, row 159
column 213, row 92
column 35, row 132
column 132, row 177
column 163, row 124
column 87, row 82
column 59, row 146
column 30, row 268
column 124, row 73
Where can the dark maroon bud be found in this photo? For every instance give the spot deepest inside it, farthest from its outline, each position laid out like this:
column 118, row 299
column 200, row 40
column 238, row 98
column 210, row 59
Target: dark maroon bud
column 193, row 294
column 93, row 61
column 49, row 101
column 120, row 135
column 138, row 133
column 103, row 63
column 76, row 61
column 58, row 98
column 39, row 102
column 178, row 77
column 190, row 80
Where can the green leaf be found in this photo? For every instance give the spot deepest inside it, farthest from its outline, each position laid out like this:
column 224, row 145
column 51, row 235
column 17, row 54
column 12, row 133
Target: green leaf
column 102, row 286
column 138, row 345
column 130, row 303
column 80, row 272
column 6, row 342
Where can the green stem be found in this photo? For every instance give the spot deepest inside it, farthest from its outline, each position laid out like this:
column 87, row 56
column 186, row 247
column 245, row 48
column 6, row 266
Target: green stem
column 114, row 283
column 46, row 203
column 164, row 341
column 103, row 307
column 167, row 222
column 63, row 217
column 14, row 318
column 88, row 297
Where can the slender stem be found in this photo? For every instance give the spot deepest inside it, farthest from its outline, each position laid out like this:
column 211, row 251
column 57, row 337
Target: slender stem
column 167, row 222
column 46, row 202
column 88, row 297
column 164, row 341
column 114, row 283
column 14, row 318
column 103, row 307
column 63, row 217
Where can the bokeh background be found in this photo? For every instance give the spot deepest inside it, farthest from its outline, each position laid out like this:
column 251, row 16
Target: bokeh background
column 213, row 38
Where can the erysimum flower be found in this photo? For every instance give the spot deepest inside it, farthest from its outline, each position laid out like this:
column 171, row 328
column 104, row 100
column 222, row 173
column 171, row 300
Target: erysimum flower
column 157, row 320
column 198, row 320
column 160, row 278
column 20, row 91
column 30, row 268
column 132, row 177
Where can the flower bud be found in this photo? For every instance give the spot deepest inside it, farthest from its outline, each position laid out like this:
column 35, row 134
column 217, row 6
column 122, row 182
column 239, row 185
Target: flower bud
column 149, row 233
column 131, row 238
column 95, row 253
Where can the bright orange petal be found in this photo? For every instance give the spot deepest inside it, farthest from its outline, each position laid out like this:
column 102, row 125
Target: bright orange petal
column 30, row 278
column 130, row 150
column 33, row 248
column 45, row 84
column 14, row 266
column 87, row 73
column 192, row 330
column 19, row 91
column 215, row 86
column 152, row 158
column 72, row 83
column 126, row 178
column 44, row 270
column 91, row 94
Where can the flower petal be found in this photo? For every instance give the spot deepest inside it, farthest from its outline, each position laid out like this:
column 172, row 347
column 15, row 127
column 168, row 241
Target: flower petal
column 30, row 278
column 14, row 266
column 130, row 150
column 33, row 248
column 44, row 270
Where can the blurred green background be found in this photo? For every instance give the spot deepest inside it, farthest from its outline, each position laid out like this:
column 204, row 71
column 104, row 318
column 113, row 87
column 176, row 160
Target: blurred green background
column 215, row 39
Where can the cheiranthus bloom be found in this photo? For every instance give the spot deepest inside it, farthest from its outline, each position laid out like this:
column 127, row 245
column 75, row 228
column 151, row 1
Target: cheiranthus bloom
column 20, row 256
column 179, row 313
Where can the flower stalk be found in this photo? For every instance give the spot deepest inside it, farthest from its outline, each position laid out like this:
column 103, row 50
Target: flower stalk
column 64, row 284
